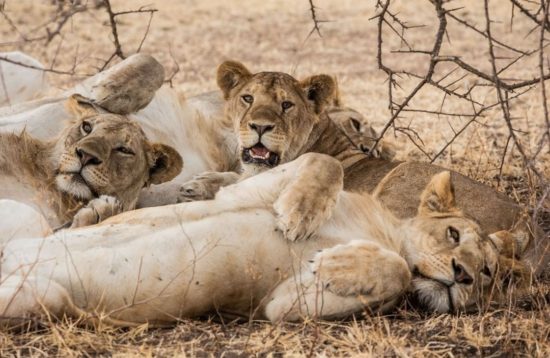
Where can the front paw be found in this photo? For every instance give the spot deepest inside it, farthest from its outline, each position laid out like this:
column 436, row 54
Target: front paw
column 300, row 214
column 96, row 211
column 194, row 190
column 346, row 270
column 205, row 186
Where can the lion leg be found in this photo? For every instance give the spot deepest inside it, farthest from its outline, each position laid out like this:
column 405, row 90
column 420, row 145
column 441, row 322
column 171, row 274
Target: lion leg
column 295, row 187
column 96, row 211
column 308, row 200
column 303, row 193
column 205, row 186
column 345, row 279
column 22, row 297
column 19, row 220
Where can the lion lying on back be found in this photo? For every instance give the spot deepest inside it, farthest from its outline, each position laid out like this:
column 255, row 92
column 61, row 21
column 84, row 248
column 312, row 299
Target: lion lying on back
column 96, row 168
column 158, row 265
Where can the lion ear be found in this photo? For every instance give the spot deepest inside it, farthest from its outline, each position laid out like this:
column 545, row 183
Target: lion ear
column 439, row 195
column 81, row 106
column 321, row 90
column 230, row 74
column 510, row 243
column 165, row 163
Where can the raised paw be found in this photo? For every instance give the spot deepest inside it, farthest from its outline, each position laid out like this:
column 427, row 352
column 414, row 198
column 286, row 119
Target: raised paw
column 301, row 213
column 97, row 210
column 205, row 186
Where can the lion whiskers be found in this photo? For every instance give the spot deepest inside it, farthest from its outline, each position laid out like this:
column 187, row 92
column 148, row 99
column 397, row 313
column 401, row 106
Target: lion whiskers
column 66, row 183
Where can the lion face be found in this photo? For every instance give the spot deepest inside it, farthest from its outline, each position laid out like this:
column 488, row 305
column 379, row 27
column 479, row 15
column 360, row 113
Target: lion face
column 360, row 132
column 273, row 113
column 455, row 265
column 107, row 154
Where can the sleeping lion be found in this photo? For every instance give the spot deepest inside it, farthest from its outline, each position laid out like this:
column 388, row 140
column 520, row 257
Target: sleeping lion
column 94, row 169
column 229, row 255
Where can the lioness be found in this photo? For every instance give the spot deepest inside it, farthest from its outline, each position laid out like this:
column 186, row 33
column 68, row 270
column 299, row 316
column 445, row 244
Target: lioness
column 206, row 139
column 277, row 118
column 157, row 265
column 94, row 169
column 360, row 132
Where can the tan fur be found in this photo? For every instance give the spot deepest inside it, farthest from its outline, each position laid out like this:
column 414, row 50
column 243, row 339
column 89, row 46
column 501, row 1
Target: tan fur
column 290, row 129
column 360, row 132
column 128, row 86
column 54, row 177
column 158, row 265
column 398, row 185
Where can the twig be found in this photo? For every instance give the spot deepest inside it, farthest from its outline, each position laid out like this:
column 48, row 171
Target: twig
column 52, row 70
column 526, row 12
column 428, row 76
column 544, row 6
column 316, row 22
column 114, row 30
column 151, row 14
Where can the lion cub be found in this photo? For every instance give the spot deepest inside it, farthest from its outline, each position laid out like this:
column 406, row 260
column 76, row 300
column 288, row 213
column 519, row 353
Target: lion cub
column 95, row 168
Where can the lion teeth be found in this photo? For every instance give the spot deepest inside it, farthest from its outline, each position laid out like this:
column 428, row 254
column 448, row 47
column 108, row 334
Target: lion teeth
column 256, row 156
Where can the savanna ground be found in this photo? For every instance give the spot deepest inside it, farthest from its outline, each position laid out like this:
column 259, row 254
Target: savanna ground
column 191, row 37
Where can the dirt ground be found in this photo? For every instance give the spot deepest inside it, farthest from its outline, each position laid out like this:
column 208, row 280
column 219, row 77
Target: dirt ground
column 194, row 36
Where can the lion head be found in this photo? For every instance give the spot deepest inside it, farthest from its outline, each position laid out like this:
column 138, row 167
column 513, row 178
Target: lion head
column 108, row 154
column 273, row 113
column 455, row 265
column 360, row 132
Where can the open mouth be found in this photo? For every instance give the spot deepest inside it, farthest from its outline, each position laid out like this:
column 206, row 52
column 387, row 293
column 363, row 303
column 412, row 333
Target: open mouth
column 259, row 154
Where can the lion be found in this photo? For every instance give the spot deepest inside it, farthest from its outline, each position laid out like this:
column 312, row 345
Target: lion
column 22, row 78
column 94, row 169
column 277, row 118
column 207, row 139
column 229, row 256
column 360, row 132
column 191, row 125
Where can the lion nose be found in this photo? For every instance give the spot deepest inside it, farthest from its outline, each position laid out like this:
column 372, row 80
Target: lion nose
column 87, row 158
column 261, row 129
column 461, row 275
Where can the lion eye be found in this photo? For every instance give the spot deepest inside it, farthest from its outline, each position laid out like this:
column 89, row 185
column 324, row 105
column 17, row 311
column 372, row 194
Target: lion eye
column 124, row 150
column 86, row 127
column 453, row 234
column 287, row 105
column 247, row 98
column 486, row 271
column 356, row 124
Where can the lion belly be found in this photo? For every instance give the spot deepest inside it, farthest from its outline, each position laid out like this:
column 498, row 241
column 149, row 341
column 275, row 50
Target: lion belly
column 142, row 273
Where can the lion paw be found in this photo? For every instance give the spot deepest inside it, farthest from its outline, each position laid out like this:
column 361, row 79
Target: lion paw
column 194, row 190
column 96, row 211
column 346, row 269
column 205, row 186
column 300, row 214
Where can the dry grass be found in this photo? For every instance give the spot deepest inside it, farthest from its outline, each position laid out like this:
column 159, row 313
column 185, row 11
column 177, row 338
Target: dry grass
column 198, row 35
column 518, row 332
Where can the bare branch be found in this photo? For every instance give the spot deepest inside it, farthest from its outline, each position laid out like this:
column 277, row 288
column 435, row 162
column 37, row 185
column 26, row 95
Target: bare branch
column 316, row 22
column 114, row 30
